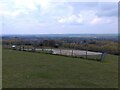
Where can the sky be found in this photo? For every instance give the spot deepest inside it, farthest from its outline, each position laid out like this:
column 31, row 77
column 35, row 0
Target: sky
column 58, row 17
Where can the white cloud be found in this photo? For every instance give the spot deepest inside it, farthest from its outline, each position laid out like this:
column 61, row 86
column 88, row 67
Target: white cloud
column 96, row 20
column 81, row 18
column 14, row 8
column 100, row 20
column 84, row 17
column 24, row 4
column 14, row 14
column 71, row 19
column 17, row 7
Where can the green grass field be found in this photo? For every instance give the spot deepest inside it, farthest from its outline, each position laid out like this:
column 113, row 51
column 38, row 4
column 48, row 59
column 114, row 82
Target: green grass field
column 36, row 70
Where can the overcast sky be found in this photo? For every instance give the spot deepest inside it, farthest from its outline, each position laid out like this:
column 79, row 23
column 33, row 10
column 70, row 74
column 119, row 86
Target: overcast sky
column 50, row 17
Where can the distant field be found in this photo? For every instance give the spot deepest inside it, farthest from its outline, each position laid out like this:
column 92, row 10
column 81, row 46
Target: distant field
column 36, row 70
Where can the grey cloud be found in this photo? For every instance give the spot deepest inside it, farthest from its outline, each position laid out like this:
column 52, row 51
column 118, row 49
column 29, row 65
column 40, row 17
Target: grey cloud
column 104, row 9
column 108, row 13
column 108, row 10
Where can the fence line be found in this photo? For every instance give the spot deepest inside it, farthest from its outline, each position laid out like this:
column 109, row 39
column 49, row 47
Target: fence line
column 66, row 52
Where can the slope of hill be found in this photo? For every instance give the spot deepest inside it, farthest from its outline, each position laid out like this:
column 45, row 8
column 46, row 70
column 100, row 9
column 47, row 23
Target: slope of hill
column 36, row 70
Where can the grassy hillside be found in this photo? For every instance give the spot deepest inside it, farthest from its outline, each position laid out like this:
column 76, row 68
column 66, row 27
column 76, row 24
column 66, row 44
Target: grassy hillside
column 26, row 69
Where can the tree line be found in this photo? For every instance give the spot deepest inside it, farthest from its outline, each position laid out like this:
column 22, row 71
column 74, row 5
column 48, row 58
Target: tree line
column 106, row 46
